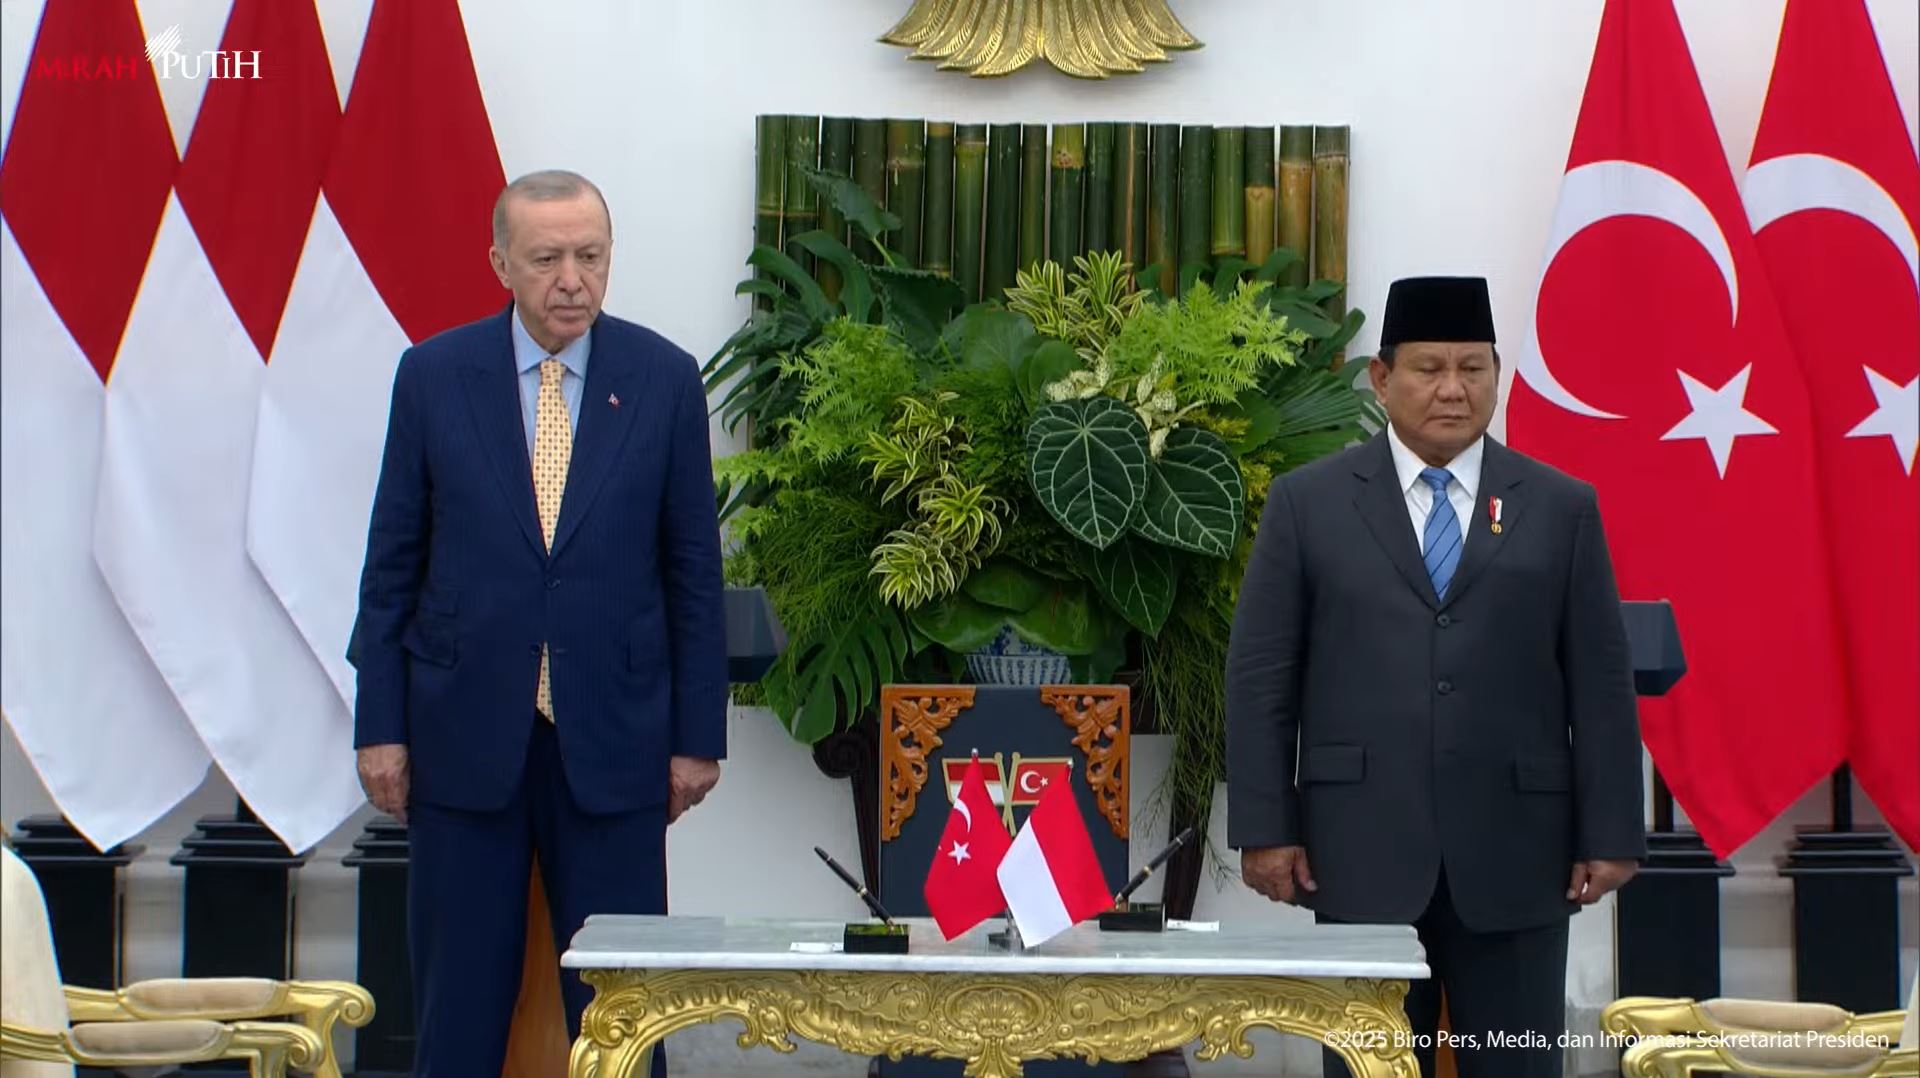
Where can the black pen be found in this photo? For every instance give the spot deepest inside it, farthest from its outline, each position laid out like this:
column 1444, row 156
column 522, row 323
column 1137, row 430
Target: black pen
column 858, row 887
column 1159, row 859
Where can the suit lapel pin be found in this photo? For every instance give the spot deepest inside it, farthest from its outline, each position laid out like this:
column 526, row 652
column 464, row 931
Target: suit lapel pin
column 1493, row 515
column 613, row 399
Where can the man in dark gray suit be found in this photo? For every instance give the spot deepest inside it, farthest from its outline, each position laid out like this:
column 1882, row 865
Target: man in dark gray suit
column 1430, row 708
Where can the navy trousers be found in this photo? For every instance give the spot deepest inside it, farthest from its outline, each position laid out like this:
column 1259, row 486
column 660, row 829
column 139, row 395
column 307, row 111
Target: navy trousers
column 1511, row 984
column 467, row 905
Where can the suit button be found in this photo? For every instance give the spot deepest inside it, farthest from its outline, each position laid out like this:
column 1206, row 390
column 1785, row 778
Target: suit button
column 1445, row 687
column 1443, row 621
column 553, row 582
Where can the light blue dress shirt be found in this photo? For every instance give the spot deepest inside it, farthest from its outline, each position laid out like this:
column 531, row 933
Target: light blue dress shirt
column 527, row 356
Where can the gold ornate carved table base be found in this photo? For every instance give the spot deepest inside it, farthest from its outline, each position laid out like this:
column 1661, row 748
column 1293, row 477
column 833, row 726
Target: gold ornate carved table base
column 994, row 1020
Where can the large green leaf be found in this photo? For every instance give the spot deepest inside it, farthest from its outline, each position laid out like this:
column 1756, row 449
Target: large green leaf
column 1063, row 620
column 1088, row 462
column 1137, row 577
column 839, row 677
column 856, row 294
column 988, row 336
column 1006, row 584
column 1109, row 653
column 918, row 303
column 819, row 307
column 856, row 206
column 1226, row 275
column 958, row 622
column 1195, row 497
column 1305, row 317
column 1042, row 367
column 1279, row 260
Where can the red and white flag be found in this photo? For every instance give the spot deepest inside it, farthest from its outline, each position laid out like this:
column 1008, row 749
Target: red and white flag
column 1833, row 192
column 961, row 889
column 1051, row 875
column 413, row 169
column 87, row 169
column 182, row 403
column 1657, row 368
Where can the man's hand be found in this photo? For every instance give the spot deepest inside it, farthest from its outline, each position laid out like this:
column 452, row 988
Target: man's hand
column 1592, row 879
column 383, row 774
column 1279, row 872
column 689, row 778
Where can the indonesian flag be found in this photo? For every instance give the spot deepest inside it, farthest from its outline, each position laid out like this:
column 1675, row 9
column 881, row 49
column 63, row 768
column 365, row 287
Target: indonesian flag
column 1657, row 368
column 961, row 890
column 412, row 170
column 1833, row 193
column 83, row 183
column 181, row 405
column 1051, row 876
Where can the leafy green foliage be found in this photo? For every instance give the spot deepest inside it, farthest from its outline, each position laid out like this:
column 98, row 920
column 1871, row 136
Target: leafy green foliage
column 1086, row 464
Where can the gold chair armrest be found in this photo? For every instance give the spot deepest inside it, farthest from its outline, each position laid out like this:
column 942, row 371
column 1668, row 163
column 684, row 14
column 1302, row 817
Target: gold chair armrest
column 1649, row 1016
column 1900, row 1063
column 37, row 1045
column 1793, row 1054
column 317, row 1005
column 268, row 1047
column 96, row 1005
column 1646, row 1016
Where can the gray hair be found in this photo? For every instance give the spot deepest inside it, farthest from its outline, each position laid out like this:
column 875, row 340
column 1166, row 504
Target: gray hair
column 547, row 185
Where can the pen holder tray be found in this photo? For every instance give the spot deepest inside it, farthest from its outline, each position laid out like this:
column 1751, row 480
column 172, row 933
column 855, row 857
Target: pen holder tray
column 1135, row 917
column 874, row 938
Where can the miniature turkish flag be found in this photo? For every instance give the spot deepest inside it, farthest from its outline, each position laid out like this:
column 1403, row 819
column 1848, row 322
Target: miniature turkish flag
column 962, row 889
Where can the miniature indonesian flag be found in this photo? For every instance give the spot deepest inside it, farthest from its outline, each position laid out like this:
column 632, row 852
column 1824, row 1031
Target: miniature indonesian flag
column 1050, row 876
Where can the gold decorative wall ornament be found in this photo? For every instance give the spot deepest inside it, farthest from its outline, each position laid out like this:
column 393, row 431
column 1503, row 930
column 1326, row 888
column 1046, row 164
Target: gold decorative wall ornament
column 994, row 1022
column 1089, row 39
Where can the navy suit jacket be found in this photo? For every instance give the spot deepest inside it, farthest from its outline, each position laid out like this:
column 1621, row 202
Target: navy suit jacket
column 459, row 591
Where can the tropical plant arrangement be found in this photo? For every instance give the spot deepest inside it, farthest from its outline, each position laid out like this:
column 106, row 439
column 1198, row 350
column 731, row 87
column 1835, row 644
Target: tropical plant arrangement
column 1075, row 470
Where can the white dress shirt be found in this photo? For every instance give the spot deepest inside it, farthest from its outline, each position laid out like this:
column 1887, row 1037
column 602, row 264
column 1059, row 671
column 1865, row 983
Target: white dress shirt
column 1462, row 490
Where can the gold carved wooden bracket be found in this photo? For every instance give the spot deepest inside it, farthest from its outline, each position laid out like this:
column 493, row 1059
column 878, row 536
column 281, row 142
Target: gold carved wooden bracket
column 1099, row 718
column 911, row 718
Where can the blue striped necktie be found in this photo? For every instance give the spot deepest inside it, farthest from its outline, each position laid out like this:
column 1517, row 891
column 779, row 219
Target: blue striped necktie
column 1440, row 542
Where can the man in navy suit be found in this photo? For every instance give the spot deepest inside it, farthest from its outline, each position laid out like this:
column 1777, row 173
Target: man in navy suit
column 540, row 645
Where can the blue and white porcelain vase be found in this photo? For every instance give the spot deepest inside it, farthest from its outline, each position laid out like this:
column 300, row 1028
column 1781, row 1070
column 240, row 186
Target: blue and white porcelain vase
column 1009, row 660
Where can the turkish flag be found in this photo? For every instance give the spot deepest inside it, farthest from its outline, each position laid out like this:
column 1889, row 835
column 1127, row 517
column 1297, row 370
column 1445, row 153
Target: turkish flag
column 1051, row 875
column 1833, row 192
column 1657, row 368
column 961, row 887
column 1032, row 777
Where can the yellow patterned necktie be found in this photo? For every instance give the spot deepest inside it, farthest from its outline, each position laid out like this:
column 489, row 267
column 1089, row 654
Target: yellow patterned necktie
column 552, row 453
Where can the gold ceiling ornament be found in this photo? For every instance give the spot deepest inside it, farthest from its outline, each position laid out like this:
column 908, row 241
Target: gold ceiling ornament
column 1089, row 39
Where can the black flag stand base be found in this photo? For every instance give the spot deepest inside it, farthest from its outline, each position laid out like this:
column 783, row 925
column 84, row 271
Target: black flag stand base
column 1846, row 910
column 1668, row 917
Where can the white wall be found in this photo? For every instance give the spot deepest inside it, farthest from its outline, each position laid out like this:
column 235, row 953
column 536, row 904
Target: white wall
column 1461, row 113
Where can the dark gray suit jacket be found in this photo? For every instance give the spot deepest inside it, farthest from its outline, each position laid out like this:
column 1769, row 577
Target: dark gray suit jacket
column 1392, row 734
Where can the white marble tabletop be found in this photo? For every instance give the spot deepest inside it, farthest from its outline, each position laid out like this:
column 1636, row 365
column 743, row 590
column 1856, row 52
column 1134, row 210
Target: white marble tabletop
column 1290, row 950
